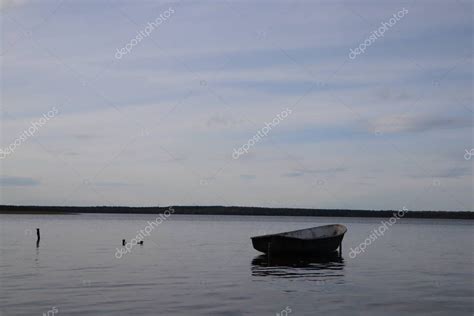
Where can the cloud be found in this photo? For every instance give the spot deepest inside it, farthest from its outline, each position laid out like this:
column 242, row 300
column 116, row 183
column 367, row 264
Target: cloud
column 150, row 119
column 84, row 136
column 5, row 4
column 450, row 173
column 109, row 184
column 293, row 174
column 386, row 94
column 302, row 172
column 248, row 176
column 223, row 120
column 71, row 153
column 18, row 182
column 400, row 124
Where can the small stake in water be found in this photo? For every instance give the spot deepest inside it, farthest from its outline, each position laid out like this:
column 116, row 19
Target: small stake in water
column 123, row 242
column 38, row 237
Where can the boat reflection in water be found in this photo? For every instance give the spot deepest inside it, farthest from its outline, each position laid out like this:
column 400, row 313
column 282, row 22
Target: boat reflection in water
column 311, row 268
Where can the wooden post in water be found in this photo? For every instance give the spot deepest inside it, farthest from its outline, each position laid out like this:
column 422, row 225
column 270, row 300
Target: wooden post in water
column 123, row 242
column 38, row 237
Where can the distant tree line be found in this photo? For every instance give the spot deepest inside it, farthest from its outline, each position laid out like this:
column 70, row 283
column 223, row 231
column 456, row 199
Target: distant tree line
column 230, row 210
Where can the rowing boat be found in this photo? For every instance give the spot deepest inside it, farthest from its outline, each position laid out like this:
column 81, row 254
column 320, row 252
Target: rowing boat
column 315, row 240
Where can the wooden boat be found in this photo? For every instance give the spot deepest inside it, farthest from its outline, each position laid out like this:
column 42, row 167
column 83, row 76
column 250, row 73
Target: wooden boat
column 309, row 241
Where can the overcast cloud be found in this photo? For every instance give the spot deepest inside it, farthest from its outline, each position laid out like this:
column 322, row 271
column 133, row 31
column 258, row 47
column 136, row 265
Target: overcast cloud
column 158, row 126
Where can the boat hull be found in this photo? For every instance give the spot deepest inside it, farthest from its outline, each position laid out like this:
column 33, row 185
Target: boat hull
column 283, row 244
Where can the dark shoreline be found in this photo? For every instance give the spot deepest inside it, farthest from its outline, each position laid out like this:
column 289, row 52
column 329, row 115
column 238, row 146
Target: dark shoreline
column 230, row 210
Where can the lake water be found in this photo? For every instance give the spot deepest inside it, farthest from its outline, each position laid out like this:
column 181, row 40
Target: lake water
column 206, row 265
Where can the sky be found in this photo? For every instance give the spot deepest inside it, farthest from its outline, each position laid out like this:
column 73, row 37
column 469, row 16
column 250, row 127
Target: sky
column 118, row 112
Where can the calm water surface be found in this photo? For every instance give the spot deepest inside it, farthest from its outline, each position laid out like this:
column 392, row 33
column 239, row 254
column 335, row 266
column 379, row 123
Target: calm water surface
column 205, row 265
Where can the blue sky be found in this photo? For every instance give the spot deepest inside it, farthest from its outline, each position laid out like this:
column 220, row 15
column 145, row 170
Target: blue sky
column 386, row 130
